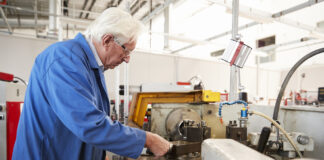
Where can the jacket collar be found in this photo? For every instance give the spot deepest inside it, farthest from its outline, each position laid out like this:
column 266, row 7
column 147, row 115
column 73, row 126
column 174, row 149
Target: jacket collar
column 85, row 46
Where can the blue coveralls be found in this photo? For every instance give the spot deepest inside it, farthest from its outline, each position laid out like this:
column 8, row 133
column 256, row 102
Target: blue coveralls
column 66, row 108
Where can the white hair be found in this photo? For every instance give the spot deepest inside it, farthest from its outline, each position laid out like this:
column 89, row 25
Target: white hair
column 117, row 22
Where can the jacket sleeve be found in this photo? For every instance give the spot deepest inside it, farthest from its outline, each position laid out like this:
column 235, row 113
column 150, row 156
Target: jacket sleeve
column 71, row 97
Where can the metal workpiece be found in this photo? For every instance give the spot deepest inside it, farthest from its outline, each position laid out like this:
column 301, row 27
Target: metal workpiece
column 228, row 149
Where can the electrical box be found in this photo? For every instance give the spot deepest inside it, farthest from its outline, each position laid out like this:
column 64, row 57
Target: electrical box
column 321, row 94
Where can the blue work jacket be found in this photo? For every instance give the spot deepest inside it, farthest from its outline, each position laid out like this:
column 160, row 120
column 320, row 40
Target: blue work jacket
column 66, row 108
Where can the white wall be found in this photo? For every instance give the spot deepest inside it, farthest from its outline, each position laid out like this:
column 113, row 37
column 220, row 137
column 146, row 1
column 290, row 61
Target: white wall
column 18, row 54
column 314, row 78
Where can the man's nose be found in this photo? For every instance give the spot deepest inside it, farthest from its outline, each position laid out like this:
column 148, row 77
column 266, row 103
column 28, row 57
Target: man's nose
column 126, row 59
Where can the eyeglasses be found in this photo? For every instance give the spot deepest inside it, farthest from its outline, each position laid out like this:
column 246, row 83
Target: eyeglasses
column 126, row 51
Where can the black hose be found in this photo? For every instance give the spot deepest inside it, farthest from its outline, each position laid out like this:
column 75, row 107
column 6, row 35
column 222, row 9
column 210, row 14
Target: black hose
column 290, row 73
column 23, row 81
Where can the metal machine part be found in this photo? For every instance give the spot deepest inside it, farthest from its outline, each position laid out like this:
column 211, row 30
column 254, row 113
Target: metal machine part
column 238, row 133
column 178, row 119
column 180, row 148
column 195, row 133
column 284, row 148
column 303, row 142
column 185, row 125
column 302, row 139
column 207, row 112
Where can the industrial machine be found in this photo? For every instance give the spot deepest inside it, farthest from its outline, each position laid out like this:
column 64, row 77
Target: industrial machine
column 197, row 130
column 11, row 102
column 184, row 118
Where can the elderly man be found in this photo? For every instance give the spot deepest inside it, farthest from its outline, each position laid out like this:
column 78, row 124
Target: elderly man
column 65, row 115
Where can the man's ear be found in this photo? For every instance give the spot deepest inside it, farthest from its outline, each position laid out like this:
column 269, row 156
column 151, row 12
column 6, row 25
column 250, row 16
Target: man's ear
column 106, row 39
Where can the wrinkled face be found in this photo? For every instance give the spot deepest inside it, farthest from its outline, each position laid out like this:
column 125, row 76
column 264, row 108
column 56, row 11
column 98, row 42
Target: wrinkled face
column 111, row 53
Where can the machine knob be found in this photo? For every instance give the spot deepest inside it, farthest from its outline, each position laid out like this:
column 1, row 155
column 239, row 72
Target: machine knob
column 303, row 139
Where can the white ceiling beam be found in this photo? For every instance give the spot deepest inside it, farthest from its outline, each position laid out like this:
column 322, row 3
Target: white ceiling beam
column 266, row 17
column 156, row 11
column 296, row 8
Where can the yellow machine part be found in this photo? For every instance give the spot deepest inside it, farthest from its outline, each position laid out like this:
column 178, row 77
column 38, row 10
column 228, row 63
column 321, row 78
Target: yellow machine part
column 210, row 96
column 141, row 100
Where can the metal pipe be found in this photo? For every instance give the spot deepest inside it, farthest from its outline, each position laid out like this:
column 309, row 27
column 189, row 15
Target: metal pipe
column 29, row 10
column 176, row 69
column 36, row 17
column 41, row 23
column 235, row 14
column 296, row 8
column 117, row 74
column 5, row 20
column 83, row 7
column 233, row 75
column 218, row 36
column 257, row 75
column 52, row 26
column 150, row 25
column 166, row 27
column 126, row 92
column 137, row 8
column 91, row 5
column 157, row 10
column 79, row 11
column 59, row 24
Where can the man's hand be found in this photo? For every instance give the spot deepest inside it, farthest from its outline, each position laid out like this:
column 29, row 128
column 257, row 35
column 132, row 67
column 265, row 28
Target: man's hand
column 157, row 145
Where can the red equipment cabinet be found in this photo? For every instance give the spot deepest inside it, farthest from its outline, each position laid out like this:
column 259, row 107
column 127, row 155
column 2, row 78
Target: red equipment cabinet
column 11, row 100
column 13, row 114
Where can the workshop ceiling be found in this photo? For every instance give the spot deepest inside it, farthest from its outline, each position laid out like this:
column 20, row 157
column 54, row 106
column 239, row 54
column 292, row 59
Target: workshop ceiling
column 201, row 27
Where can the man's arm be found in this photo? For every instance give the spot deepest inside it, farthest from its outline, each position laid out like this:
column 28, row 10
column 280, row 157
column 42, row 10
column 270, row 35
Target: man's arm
column 71, row 97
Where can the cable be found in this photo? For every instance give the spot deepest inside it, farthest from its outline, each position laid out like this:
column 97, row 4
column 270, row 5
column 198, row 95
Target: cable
column 23, row 81
column 290, row 73
column 280, row 128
